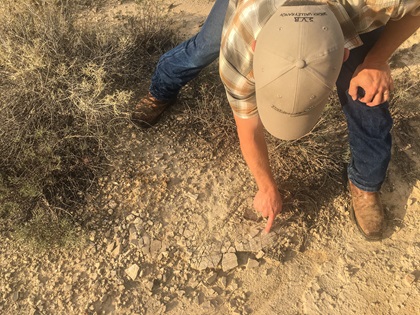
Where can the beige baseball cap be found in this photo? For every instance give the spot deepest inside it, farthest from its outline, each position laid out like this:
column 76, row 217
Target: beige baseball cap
column 297, row 60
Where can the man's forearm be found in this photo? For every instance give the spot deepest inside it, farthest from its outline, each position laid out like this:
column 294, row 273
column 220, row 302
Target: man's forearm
column 254, row 150
column 394, row 34
column 267, row 201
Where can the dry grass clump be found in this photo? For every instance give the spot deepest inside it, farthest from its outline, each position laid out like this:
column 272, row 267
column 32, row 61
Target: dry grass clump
column 64, row 89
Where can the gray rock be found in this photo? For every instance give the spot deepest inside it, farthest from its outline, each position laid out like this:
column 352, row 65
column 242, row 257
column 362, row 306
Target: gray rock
column 229, row 261
column 210, row 261
column 155, row 247
column 211, row 279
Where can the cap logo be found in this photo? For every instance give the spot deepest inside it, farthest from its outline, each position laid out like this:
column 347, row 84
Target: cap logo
column 300, row 17
column 304, row 19
column 303, row 14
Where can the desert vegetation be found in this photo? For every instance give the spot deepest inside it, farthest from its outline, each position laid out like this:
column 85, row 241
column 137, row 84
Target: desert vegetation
column 65, row 86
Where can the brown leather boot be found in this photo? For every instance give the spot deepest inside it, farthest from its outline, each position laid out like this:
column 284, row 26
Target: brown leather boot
column 367, row 212
column 148, row 111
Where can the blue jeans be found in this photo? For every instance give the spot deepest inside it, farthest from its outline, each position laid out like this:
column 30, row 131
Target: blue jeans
column 184, row 62
column 368, row 127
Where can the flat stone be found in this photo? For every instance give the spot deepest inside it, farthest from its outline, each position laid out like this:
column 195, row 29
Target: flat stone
column 155, row 247
column 212, row 278
column 255, row 245
column 149, row 285
column 260, row 254
column 210, row 261
column 117, row 251
column 132, row 232
column 229, row 261
column 252, row 263
column 132, row 271
column 146, row 240
column 110, row 247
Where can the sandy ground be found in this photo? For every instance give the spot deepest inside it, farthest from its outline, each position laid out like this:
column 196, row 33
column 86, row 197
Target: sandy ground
column 174, row 233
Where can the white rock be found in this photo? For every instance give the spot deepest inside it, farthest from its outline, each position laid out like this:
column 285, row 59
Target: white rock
column 260, row 254
column 132, row 271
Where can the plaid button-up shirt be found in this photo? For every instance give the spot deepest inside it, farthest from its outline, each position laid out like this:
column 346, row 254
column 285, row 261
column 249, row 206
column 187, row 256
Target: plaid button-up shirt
column 245, row 18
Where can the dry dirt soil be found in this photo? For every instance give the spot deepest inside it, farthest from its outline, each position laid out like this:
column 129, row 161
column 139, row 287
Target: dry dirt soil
column 173, row 231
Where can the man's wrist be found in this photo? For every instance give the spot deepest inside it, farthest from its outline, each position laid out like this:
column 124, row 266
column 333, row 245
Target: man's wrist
column 268, row 188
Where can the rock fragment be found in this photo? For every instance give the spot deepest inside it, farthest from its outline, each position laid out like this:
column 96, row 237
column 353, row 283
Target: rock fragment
column 260, row 254
column 229, row 261
column 110, row 247
column 132, row 271
column 252, row 263
column 409, row 278
column 212, row 278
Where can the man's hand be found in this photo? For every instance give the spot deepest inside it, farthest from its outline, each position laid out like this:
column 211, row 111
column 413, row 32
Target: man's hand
column 376, row 81
column 269, row 203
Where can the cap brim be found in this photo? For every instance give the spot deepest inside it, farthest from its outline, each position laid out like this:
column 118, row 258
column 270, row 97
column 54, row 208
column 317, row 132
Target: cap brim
column 286, row 127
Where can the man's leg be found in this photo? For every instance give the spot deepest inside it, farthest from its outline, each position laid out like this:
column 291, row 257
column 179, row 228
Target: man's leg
column 184, row 62
column 370, row 145
column 179, row 66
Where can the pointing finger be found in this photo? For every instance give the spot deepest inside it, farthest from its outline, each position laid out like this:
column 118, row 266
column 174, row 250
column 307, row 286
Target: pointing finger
column 269, row 223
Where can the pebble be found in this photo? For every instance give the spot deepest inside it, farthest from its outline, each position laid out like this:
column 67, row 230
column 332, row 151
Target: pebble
column 15, row 296
column 212, row 278
column 132, row 231
column 155, row 247
column 260, row 254
column 149, row 285
column 252, row 263
column 110, row 247
column 112, row 204
column 410, row 278
column 223, row 282
column 132, row 271
column 117, row 251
